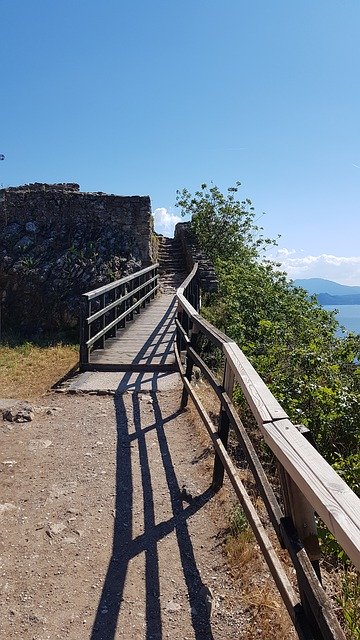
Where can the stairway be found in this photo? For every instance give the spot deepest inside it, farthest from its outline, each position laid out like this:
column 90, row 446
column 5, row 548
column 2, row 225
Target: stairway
column 172, row 264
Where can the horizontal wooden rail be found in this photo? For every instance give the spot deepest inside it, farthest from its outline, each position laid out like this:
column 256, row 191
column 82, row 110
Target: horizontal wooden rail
column 318, row 487
column 106, row 309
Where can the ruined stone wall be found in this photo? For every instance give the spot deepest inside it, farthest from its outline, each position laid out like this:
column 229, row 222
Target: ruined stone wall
column 57, row 242
column 193, row 253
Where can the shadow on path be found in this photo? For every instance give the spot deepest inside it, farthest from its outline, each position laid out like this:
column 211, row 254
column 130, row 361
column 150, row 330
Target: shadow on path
column 126, row 546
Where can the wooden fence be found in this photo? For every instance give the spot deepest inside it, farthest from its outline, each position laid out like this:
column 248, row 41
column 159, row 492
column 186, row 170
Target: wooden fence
column 309, row 484
column 108, row 308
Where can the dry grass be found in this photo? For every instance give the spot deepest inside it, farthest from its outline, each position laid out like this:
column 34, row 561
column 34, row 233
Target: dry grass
column 265, row 612
column 27, row 370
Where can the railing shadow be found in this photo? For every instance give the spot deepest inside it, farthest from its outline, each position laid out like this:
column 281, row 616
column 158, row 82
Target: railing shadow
column 126, row 546
column 156, row 343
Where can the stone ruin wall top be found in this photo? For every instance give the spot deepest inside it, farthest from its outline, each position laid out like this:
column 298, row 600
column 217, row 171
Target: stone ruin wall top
column 57, row 242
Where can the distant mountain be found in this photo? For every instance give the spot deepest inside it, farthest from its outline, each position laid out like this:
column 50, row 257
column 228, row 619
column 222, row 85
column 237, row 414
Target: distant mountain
column 329, row 292
column 326, row 298
column 320, row 285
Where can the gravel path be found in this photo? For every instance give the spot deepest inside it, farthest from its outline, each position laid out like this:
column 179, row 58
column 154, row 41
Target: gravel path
column 108, row 527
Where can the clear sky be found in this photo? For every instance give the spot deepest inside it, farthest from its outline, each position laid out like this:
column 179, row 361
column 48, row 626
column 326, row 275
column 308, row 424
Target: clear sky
column 146, row 97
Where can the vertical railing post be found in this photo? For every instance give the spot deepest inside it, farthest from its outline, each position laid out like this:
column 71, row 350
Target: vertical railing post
column 301, row 513
column 148, row 287
column 143, row 290
column 138, row 295
column 131, row 299
column 84, row 332
column 152, row 275
column 223, row 431
column 156, row 282
column 179, row 338
column 112, row 332
column 103, row 320
column 189, row 367
column 121, row 306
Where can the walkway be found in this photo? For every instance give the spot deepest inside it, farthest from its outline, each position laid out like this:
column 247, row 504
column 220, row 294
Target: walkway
column 146, row 344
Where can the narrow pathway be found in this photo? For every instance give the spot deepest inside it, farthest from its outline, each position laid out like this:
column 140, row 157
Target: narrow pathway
column 109, row 529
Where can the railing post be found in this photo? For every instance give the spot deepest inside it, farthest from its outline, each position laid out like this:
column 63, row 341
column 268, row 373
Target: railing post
column 300, row 511
column 84, row 332
column 138, row 294
column 122, row 306
column 148, row 287
column 156, row 281
column 179, row 338
column 223, row 431
column 189, row 367
column 112, row 332
column 103, row 305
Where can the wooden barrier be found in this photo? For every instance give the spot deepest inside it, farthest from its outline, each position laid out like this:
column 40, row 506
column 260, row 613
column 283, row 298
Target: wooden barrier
column 309, row 484
column 108, row 308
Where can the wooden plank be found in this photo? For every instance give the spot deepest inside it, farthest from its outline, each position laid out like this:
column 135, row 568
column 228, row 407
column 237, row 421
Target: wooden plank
column 131, row 366
column 188, row 279
column 330, row 496
column 319, row 602
column 262, row 402
column 148, row 339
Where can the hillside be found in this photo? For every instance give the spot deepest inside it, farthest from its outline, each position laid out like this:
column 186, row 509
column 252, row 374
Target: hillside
column 329, row 292
column 321, row 285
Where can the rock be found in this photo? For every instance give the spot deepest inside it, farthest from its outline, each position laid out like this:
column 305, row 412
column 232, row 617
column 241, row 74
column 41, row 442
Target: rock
column 7, row 506
column 19, row 413
column 24, row 243
column 206, row 595
column 36, row 445
column 55, row 528
column 172, row 606
column 31, row 227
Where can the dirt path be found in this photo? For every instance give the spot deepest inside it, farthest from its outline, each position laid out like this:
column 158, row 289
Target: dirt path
column 108, row 527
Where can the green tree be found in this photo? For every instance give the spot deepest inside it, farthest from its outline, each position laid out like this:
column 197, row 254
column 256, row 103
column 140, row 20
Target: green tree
column 289, row 338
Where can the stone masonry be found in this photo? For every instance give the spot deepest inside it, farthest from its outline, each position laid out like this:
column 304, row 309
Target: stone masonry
column 57, row 242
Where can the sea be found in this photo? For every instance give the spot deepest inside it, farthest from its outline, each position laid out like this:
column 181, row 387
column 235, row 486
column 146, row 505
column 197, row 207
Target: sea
column 348, row 315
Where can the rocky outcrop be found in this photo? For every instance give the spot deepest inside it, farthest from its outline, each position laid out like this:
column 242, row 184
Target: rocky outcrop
column 57, row 242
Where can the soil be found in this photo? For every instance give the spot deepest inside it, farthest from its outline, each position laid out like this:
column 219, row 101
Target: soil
column 108, row 526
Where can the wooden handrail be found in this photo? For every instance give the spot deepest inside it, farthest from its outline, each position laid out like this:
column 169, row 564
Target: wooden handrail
column 317, row 483
column 105, row 309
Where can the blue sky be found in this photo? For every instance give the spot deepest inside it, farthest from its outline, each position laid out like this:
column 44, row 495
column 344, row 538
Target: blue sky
column 146, row 97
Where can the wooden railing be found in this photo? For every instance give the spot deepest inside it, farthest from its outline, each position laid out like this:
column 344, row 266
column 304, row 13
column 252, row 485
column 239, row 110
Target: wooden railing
column 308, row 482
column 108, row 308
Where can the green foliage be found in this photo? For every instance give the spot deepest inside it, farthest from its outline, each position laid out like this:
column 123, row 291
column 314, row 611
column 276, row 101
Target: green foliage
column 349, row 600
column 238, row 523
column 289, row 338
column 292, row 343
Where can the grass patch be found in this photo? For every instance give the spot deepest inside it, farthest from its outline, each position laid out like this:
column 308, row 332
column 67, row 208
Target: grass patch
column 266, row 615
column 29, row 369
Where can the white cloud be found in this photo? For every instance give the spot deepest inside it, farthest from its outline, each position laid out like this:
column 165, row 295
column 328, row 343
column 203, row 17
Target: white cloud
column 165, row 222
column 343, row 269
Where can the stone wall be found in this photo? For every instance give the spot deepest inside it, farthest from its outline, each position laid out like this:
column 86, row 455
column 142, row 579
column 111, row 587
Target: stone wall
column 193, row 253
column 57, row 242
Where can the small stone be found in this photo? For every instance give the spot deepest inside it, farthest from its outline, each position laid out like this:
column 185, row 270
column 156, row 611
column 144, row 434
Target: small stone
column 7, row 506
column 172, row 606
column 56, row 527
column 35, row 445
column 31, row 227
column 70, row 540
